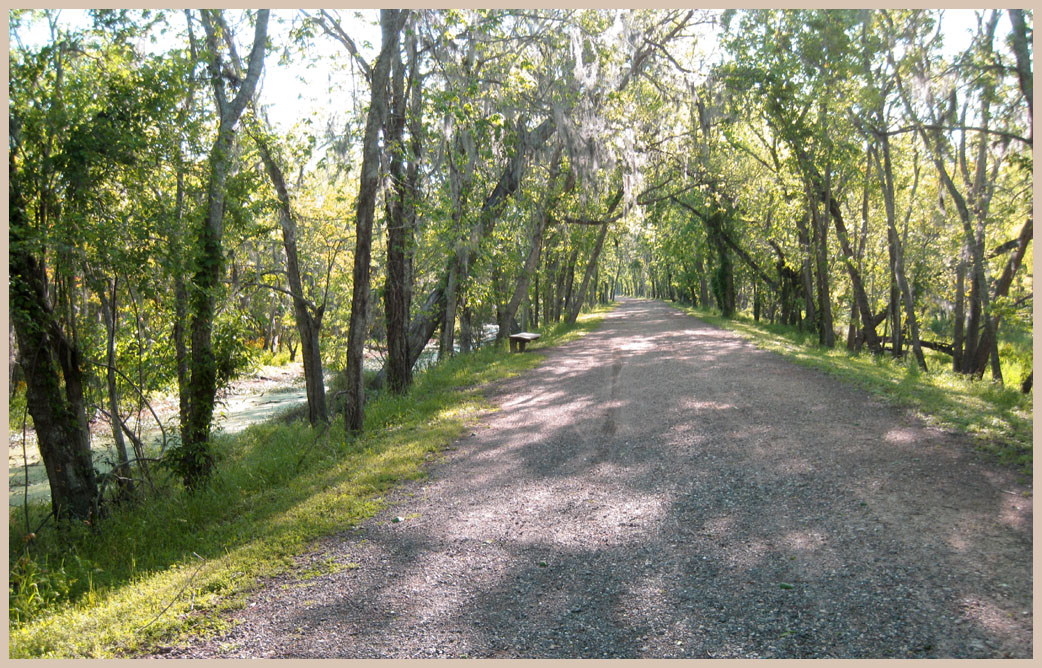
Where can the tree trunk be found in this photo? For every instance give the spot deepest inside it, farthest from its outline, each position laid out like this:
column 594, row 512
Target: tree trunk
column 723, row 276
column 110, row 311
column 806, row 271
column 448, row 325
column 180, row 310
column 401, row 217
column 176, row 249
column 431, row 314
column 532, row 260
column 988, row 343
column 959, row 317
column 703, row 284
column 1024, row 75
column 521, row 288
column 894, row 302
column 569, row 282
column 550, row 296
column 308, row 317
column 860, row 296
column 59, row 419
column 466, row 329
column 897, row 256
column 197, row 455
column 826, row 335
column 591, row 265
column 369, row 181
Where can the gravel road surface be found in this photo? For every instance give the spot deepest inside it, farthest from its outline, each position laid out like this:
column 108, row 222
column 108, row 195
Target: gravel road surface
column 662, row 488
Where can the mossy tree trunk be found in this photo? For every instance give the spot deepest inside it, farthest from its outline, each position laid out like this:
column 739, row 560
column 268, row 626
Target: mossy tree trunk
column 52, row 368
column 196, row 456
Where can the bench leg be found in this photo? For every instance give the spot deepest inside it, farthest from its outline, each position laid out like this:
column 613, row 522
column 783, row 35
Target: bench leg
column 513, row 346
column 521, row 345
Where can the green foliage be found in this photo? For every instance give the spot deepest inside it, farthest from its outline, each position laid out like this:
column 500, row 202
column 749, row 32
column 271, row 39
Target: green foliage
column 34, row 586
column 231, row 349
column 16, row 408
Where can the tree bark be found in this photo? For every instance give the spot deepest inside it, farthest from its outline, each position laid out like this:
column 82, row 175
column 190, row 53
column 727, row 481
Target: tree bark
column 401, row 218
column 580, row 296
column 806, row 270
column 197, row 455
column 59, row 418
column 532, row 260
column 959, row 317
column 432, row 313
column 826, row 335
column 110, row 312
column 978, row 198
column 369, row 181
column 897, row 255
column 723, row 279
column 860, row 295
column 1024, row 74
column 988, row 340
column 308, row 317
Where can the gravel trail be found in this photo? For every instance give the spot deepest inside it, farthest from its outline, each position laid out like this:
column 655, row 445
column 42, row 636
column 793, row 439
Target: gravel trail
column 662, row 488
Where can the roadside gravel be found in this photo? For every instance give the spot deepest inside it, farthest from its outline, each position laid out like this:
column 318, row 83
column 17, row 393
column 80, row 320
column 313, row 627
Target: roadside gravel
column 662, row 488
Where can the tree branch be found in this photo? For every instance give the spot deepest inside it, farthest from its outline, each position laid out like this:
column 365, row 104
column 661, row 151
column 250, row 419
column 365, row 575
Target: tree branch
column 336, row 32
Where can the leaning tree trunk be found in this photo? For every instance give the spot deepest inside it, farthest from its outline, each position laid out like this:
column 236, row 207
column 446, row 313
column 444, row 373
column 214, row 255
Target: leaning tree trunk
column 369, row 181
column 59, row 418
column 432, row 313
column 591, row 265
column 860, row 296
column 988, row 341
column 308, row 318
column 959, row 316
column 532, row 261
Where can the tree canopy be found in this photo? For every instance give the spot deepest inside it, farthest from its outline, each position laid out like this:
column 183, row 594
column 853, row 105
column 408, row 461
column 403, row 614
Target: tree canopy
column 863, row 174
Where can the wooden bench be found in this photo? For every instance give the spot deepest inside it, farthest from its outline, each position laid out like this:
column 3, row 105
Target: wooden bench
column 520, row 340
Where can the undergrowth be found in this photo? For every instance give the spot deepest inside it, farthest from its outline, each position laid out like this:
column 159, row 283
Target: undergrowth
column 153, row 571
column 999, row 416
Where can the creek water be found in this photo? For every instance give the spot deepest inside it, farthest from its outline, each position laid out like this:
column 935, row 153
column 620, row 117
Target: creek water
column 249, row 400
column 248, row 403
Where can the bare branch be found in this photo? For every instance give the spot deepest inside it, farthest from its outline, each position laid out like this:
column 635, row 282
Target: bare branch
column 334, row 30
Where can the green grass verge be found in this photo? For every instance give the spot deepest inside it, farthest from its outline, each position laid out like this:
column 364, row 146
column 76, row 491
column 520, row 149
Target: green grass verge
column 1000, row 417
column 156, row 571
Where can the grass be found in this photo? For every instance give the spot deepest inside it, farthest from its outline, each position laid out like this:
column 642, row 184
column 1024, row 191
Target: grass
column 999, row 417
column 155, row 571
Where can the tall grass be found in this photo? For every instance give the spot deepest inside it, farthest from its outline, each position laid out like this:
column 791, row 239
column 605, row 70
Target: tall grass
column 998, row 416
column 156, row 570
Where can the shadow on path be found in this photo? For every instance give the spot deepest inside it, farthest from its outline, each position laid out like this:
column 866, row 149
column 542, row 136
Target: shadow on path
column 661, row 488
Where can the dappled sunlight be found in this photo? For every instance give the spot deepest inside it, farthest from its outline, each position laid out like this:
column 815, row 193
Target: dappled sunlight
column 901, row 436
column 989, row 615
column 718, row 526
column 803, row 541
column 637, row 484
column 638, row 344
column 698, row 405
column 1016, row 511
column 745, row 553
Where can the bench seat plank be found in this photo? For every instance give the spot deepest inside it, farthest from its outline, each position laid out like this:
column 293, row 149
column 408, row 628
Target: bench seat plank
column 521, row 339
